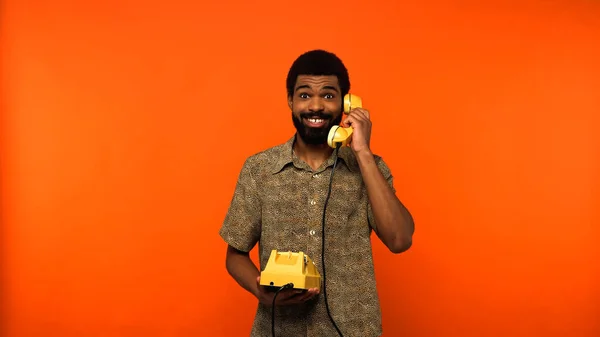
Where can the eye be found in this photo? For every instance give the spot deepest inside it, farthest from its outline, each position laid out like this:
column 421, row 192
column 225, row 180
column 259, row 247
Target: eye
column 329, row 96
column 303, row 95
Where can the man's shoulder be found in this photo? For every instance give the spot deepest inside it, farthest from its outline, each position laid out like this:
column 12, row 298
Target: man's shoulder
column 266, row 155
column 266, row 160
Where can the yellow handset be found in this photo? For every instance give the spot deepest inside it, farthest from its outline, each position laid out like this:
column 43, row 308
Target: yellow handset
column 337, row 134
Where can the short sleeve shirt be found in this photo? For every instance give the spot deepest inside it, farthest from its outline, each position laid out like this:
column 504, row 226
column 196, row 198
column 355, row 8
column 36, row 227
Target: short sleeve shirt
column 278, row 203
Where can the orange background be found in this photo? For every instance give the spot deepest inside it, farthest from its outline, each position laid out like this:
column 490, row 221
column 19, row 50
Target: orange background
column 125, row 124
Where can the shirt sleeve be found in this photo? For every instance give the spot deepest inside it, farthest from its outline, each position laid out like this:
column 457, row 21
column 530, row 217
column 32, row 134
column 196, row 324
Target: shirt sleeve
column 242, row 224
column 387, row 174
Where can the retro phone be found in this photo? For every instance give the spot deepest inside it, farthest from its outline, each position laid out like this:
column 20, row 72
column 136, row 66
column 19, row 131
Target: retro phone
column 339, row 135
column 295, row 268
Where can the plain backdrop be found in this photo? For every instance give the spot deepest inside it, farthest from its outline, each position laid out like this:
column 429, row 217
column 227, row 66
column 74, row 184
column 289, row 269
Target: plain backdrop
column 124, row 125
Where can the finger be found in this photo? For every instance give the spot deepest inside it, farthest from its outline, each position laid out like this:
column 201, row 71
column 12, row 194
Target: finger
column 281, row 298
column 261, row 288
column 287, row 294
column 310, row 293
column 294, row 299
column 306, row 296
column 355, row 119
column 350, row 120
column 359, row 113
column 346, row 122
column 365, row 112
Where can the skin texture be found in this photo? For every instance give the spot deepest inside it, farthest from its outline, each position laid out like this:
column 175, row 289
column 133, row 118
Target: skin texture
column 321, row 96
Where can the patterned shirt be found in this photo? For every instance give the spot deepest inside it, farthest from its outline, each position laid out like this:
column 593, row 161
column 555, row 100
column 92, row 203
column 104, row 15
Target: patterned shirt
column 278, row 203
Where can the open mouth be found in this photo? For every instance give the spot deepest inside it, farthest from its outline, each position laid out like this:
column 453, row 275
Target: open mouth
column 315, row 122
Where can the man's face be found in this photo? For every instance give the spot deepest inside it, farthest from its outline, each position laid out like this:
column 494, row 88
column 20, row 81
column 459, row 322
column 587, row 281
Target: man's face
column 316, row 106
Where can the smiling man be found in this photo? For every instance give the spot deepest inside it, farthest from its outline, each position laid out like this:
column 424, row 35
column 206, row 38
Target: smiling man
column 279, row 200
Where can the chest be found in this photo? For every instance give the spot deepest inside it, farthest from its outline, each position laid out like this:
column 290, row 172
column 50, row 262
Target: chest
column 295, row 197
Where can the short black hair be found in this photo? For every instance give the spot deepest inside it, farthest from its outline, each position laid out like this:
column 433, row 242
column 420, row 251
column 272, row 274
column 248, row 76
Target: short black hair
column 318, row 62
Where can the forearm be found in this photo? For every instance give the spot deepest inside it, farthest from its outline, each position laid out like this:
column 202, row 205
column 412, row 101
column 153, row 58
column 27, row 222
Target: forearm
column 395, row 225
column 242, row 269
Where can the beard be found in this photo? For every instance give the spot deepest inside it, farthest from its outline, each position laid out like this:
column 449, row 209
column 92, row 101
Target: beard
column 311, row 135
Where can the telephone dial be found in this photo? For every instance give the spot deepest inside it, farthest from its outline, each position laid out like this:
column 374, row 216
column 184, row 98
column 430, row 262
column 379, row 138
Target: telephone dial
column 339, row 135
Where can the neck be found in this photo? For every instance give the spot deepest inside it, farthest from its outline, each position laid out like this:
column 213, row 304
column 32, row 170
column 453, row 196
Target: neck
column 313, row 155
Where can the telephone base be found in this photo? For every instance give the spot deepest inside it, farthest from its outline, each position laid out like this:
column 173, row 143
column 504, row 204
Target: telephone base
column 290, row 267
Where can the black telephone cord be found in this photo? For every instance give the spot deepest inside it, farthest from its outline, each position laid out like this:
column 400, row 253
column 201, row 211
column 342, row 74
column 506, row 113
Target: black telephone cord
column 286, row 286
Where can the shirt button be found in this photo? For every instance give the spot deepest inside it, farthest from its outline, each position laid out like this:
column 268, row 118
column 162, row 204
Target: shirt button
column 312, row 202
column 316, row 175
column 312, row 232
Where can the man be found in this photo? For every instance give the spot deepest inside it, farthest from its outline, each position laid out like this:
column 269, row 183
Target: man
column 279, row 201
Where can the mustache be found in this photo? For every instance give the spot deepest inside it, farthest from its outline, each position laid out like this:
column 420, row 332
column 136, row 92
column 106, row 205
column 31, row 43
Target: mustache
column 320, row 115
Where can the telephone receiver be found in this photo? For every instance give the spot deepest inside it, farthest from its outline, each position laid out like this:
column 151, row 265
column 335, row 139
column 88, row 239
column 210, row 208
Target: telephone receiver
column 339, row 135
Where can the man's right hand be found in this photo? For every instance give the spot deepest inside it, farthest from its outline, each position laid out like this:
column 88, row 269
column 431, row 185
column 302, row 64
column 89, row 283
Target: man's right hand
column 285, row 296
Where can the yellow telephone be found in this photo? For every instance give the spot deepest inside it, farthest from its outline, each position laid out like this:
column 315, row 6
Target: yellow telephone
column 295, row 268
column 337, row 134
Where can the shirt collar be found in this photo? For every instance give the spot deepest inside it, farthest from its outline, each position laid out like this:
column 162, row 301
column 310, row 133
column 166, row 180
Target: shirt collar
column 285, row 155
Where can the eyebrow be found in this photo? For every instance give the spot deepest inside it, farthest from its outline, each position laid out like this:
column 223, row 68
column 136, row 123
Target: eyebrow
column 306, row 86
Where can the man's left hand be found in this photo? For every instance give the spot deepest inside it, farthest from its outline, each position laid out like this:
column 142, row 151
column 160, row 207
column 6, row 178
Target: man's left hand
column 359, row 120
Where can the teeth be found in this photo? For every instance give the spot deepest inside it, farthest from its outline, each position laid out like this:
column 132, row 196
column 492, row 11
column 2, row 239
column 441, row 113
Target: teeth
column 315, row 120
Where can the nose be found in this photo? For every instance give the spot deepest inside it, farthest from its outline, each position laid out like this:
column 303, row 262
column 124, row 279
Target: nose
column 315, row 104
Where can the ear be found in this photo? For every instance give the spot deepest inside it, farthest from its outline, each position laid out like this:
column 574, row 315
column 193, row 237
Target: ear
column 290, row 102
